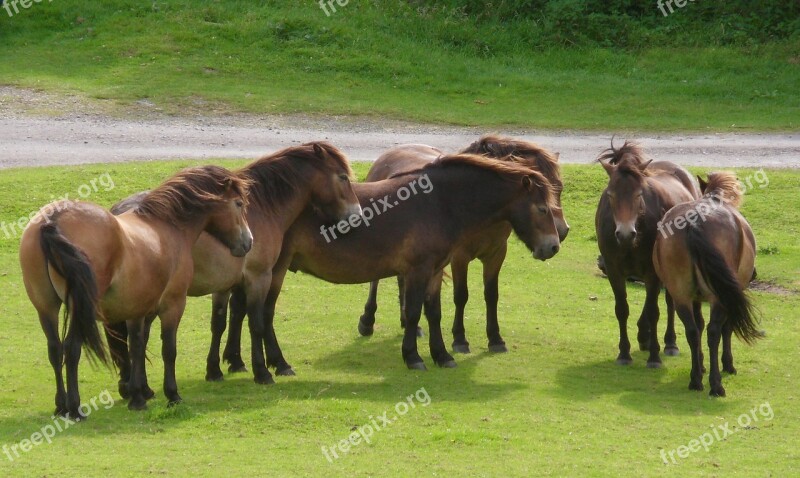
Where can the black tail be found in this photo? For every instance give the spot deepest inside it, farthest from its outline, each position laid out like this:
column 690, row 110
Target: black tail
column 81, row 294
column 724, row 285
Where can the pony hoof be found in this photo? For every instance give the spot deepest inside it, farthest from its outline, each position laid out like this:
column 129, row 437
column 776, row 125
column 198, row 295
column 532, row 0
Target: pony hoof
column 717, row 392
column 654, row 365
column 644, row 346
column 174, row 401
column 696, row 386
column 448, row 364
column 624, row 361
column 364, row 329
column 123, row 390
column 237, row 368
column 148, row 393
column 264, row 380
column 671, row 351
column 417, row 366
column 137, row 405
column 286, row 372
column 461, row 348
column 420, row 332
column 731, row 370
column 215, row 376
column 498, row 348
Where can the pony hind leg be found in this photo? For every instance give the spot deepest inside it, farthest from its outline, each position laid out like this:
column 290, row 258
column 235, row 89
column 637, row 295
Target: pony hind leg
column 727, row 352
column 233, row 346
column 72, row 355
column 55, row 352
column 137, row 344
column 433, row 313
column 693, row 335
column 219, row 318
column 715, row 326
column 401, row 291
column 117, row 338
column 670, row 339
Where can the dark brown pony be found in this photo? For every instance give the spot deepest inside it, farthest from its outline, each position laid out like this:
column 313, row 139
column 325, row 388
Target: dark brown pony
column 125, row 269
column 415, row 238
column 312, row 176
column 706, row 252
column 638, row 194
column 488, row 245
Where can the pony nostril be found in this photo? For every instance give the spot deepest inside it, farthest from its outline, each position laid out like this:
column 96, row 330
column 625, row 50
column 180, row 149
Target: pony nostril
column 555, row 248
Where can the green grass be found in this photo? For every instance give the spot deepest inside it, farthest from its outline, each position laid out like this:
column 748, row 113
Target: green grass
column 556, row 405
column 389, row 59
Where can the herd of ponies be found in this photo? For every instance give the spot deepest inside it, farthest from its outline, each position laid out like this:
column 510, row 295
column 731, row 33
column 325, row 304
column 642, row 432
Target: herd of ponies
column 235, row 234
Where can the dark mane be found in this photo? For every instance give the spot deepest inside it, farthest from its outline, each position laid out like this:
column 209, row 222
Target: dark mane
column 508, row 170
column 277, row 177
column 630, row 150
column 525, row 152
column 190, row 193
column 724, row 185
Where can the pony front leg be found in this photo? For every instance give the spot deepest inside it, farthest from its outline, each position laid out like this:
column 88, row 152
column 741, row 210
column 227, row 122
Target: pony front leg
column 413, row 298
column 491, row 294
column 459, row 267
column 219, row 317
column 256, row 296
column 670, row 339
column 433, row 312
column 170, row 320
column 233, row 346
column 274, row 353
column 650, row 313
column 622, row 311
column 366, row 323
column 136, row 345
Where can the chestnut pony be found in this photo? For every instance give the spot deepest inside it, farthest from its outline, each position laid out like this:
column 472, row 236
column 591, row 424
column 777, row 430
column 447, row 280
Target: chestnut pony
column 119, row 269
column 638, row 194
column 415, row 238
column 710, row 257
column 488, row 245
column 313, row 176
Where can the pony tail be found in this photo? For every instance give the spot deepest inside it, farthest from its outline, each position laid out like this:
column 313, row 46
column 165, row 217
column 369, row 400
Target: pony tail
column 81, row 300
column 724, row 285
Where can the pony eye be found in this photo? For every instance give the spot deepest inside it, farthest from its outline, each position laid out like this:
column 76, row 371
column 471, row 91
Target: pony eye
column 344, row 177
column 239, row 203
column 543, row 209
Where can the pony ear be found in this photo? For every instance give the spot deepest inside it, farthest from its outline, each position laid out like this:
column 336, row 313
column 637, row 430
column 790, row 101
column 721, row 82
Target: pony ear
column 644, row 165
column 319, row 151
column 608, row 167
column 557, row 155
column 703, row 184
column 228, row 184
column 527, row 183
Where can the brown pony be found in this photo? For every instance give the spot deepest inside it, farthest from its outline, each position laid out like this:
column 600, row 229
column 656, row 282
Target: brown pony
column 638, row 194
column 312, row 176
column 415, row 238
column 707, row 253
column 125, row 269
column 489, row 245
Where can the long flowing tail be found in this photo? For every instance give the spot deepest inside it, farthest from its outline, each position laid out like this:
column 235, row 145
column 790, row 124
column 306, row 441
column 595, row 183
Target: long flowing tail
column 724, row 285
column 81, row 290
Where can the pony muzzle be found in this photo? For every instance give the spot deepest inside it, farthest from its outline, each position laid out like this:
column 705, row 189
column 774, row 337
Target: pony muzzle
column 547, row 248
column 626, row 234
column 243, row 245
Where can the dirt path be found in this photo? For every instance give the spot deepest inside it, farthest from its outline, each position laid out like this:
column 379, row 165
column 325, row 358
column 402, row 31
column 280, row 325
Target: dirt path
column 38, row 129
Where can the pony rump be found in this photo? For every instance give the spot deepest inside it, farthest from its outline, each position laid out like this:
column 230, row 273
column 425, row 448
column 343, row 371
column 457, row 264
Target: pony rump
column 191, row 193
column 723, row 185
column 81, row 297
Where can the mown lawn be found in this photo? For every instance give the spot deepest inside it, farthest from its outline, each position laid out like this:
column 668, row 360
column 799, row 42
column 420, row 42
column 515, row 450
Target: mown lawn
column 390, row 59
column 556, row 405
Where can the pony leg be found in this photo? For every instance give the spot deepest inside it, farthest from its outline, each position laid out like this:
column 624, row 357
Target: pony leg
column 72, row 354
column 727, row 352
column 55, row 352
column 136, row 344
column 459, row 268
column 366, row 323
column 233, row 346
column 715, row 325
column 622, row 311
column 147, row 391
column 117, row 338
column 219, row 317
column 670, row 339
column 491, row 294
column 274, row 353
column 414, row 296
column 433, row 312
column 170, row 320
column 693, row 337
column 651, row 312
column 697, row 308
column 401, row 298
column 256, row 296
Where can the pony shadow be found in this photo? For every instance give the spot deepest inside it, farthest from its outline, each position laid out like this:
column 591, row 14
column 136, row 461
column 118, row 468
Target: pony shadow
column 636, row 387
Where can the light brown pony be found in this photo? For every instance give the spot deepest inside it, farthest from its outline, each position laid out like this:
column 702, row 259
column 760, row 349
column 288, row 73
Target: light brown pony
column 488, row 245
column 126, row 268
column 638, row 194
column 415, row 238
column 707, row 253
column 313, row 176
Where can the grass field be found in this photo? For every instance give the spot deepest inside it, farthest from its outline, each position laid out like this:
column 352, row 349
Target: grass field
column 555, row 405
column 398, row 60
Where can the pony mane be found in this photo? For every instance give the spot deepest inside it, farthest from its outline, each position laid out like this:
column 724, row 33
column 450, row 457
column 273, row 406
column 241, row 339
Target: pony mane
column 507, row 170
column 278, row 176
column 724, row 185
column 630, row 150
column 190, row 193
column 509, row 149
